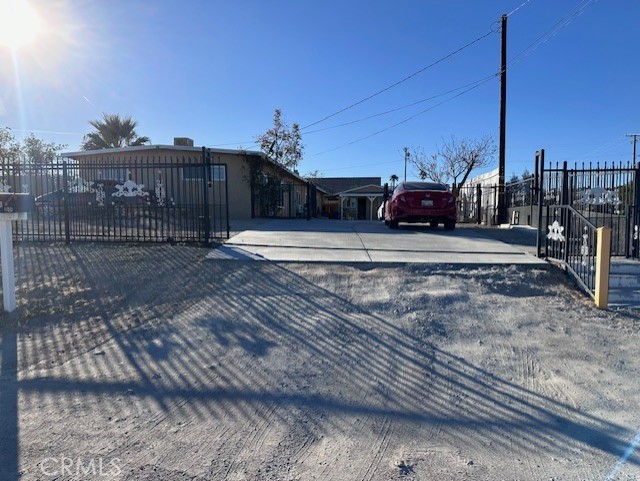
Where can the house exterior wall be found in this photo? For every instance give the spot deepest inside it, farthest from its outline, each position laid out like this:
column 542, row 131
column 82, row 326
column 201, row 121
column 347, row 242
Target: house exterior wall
column 239, row 190
column 137, row 164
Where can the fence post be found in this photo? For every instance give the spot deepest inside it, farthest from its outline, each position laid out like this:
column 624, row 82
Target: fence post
column 65, row 201
column 565, row 184
column 308, row 200
column 629, row 234
column 478, row 204
column 206, row 163
column 540, row 185
column 636, row 211
column 603, row 264
column 636, row 186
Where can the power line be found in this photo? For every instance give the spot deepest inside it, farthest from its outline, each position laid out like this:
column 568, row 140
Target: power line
column 401, row 108
column 405, row 120
column 517, row 8
column 408, row 77
column 553, row 31
column 361, row 165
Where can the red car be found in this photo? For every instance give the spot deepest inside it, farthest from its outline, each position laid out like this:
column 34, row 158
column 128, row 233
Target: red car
column 421, row 202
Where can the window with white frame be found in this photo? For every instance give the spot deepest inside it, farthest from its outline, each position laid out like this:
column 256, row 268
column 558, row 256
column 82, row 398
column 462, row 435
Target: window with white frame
column 194, row 172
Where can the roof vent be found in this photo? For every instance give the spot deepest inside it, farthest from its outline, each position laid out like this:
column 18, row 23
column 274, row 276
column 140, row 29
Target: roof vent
column 183, row 141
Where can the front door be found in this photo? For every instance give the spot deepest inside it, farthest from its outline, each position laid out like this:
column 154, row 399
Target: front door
column 362, row 208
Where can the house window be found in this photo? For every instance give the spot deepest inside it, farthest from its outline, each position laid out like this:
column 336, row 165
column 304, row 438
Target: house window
column 219, row 173
column 194, row 172
column 112, row 173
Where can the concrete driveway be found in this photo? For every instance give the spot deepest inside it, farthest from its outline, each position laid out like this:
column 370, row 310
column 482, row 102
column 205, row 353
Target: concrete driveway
column 322, row 240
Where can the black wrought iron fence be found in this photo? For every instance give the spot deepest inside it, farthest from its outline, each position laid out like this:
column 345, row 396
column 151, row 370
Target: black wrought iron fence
column 571, row 240
column 604, row 194
column 632, row 239
column 141, row 199
column 285, row 200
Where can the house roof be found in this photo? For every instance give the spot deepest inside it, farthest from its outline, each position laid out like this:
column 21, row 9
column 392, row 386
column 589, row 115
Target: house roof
column 335, row 185
column 143, row 148
column 178, row 148
column 365, row 190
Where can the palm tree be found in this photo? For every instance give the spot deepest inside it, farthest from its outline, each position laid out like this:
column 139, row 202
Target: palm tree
column 113, row 131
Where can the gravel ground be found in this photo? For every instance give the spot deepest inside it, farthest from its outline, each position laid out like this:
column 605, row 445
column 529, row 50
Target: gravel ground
column 155, row 363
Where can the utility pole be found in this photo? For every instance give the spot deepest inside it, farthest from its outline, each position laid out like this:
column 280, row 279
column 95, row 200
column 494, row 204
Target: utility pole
column 406, row 158
column 502, row 205
column 635, row 141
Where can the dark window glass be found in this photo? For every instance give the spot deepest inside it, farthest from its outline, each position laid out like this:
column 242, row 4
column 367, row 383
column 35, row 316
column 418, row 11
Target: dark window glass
column 408, row 186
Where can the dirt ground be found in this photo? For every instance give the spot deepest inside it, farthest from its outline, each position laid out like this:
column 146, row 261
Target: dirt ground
column 156, row 363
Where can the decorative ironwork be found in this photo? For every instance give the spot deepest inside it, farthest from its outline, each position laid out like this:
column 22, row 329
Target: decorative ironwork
column 584, row 249
column 599, row 196
column 100, row 194
column 130, row 189
column 71, row 209
column 25, row 189
column 556, row 232
column 160, row 192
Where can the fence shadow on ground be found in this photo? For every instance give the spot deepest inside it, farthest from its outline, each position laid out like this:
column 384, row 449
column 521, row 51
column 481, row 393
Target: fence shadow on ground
column 163, row 333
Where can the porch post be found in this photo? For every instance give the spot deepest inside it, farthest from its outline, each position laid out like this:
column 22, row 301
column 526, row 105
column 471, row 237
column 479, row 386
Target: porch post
column 371, row 199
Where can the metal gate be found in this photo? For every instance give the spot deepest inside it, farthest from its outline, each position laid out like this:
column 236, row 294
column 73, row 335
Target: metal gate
column 478, row 204
column 606, row 195
column 123, row 199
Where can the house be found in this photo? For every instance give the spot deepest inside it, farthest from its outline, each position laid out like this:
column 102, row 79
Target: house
column 247, row 183
column 349, row 198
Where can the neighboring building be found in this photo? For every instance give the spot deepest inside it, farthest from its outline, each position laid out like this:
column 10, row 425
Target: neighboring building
column 349, row 198
column 468, row 198
column 248, row 182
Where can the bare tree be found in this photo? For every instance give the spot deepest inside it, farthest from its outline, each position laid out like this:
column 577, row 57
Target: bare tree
column 454, row 161
column 281, row 143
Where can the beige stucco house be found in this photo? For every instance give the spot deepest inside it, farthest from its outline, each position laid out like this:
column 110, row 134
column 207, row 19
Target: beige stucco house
column 248, row 182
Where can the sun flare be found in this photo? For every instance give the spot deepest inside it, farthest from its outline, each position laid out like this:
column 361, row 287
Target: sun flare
column 19, row 23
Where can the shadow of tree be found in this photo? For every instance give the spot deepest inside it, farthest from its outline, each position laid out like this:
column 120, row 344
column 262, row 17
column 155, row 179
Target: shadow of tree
column 160, row 332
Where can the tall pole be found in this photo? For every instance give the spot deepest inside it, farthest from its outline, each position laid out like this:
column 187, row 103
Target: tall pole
column 635, row 141
column 406, row 158
column 502, row 205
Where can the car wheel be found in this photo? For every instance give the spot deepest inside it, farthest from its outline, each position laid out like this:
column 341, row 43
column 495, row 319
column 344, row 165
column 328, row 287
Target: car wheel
column 450, row 225
column 393, row 224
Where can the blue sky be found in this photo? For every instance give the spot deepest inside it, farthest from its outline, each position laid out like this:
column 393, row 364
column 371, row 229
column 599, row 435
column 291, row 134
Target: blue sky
column 215, row 70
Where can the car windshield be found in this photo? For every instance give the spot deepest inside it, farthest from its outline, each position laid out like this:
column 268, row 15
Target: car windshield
column 424, row 186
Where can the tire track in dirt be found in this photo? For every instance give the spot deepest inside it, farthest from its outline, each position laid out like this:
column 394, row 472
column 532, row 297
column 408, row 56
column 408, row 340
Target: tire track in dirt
column 254, row 439
column 380, row 452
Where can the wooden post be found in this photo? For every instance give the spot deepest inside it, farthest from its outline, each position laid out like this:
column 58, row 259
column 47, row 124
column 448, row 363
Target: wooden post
column 603, row 264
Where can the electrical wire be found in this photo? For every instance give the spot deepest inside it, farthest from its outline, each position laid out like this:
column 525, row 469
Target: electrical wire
column 361, row 165
column 553, row 31
column 408, row 77
column 397, row 109
column 517, row 8
column 404, row 121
